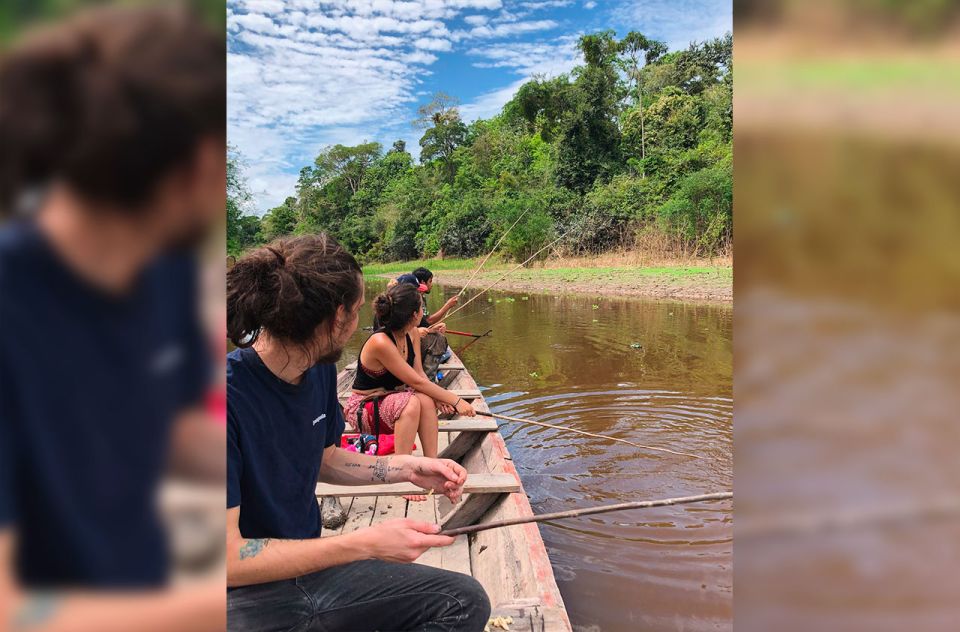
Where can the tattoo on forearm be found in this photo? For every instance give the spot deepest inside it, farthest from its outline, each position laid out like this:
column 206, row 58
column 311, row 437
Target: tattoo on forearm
column 36, row 611
column 351, row 464
column 380, row 469
column 253, row 547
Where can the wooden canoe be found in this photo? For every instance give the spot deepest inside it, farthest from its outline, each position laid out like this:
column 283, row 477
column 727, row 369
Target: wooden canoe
column 511, row 563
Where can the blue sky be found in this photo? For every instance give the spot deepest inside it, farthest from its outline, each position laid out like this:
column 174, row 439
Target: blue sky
column 304, row 74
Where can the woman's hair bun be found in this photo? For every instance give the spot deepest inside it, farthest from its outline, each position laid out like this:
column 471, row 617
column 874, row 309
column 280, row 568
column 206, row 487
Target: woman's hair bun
column 382, row 306
column 395, row 307
column 289, row 287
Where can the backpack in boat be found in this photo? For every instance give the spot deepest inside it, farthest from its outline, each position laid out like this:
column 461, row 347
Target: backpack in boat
column 433, row 346
column 377, row 444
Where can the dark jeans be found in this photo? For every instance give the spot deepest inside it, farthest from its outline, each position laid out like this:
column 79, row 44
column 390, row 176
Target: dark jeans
column 368, row 595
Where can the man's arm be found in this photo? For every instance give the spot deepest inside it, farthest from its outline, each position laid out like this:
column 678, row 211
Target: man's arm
column 260, row 560
column 443, row 476
column 341, row 467
column 194, row 608
column 255, row 561
column 199, row 447
column 440, row 313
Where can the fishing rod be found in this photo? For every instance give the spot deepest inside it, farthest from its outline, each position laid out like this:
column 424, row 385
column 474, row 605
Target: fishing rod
column 509, row 272
column 482, row 311
column 451, row 331
column 464, row 347
column 467, row 333
column 495, row 246
column 583, row 432
column 588, row 511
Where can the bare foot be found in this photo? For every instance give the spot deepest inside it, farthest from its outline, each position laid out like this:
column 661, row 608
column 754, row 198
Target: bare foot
column 416, row 498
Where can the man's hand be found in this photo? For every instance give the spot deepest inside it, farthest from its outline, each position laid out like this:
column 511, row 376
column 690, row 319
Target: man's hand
column 401, row 540
column 441, row 475
column 453, row 300
column 440, row 328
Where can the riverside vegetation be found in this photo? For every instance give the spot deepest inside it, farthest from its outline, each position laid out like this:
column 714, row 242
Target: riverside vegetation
column 630, row 150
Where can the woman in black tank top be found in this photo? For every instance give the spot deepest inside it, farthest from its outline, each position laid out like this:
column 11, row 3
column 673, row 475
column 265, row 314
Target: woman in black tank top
column 368, row 380
column 390, row 367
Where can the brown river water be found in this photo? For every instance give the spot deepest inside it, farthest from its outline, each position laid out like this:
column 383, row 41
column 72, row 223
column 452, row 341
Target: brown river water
column 656, row 373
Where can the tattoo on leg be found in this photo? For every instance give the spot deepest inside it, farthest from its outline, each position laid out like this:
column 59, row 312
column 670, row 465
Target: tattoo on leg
column 36, row 611
column 380, row 469
column 253, row 547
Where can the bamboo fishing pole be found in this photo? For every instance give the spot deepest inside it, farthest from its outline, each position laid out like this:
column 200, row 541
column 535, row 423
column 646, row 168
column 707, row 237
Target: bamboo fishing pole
column 495, row 246
column 583, row 432
column 573, row 513
column 509, row 272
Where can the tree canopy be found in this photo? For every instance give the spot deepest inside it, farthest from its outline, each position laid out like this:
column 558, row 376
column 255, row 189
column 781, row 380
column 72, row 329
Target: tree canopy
column 636, row 142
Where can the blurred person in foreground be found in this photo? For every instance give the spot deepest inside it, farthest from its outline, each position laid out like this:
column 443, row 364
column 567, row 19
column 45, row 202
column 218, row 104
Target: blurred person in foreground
column 113, row 166
column 291, row 308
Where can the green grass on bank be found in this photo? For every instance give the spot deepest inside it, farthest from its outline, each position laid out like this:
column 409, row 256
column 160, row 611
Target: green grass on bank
column 495, row 269
column 400, row 267
column 673, row 272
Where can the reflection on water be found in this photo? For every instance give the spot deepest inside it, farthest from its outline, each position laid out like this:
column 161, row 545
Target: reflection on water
column 655, row 373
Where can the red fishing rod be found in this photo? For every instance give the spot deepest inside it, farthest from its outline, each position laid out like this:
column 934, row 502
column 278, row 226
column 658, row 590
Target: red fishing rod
column 475, row 338
column 467, row 333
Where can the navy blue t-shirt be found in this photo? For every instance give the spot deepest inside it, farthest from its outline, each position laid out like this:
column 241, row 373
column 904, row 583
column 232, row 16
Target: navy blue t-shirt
column 276, row 434
column 89, row 386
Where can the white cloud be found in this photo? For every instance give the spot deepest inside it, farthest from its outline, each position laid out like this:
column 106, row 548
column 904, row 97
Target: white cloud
column 546, row 4
column 432, row 43
column 589, row 5
column 510, row 28
column 526, row 59
column 489, row 103
column 476, row 20
column 303, row 74
column 252, row 22
column 267, row 7
column 678, row 22
column 531, row 58
column 419, row 57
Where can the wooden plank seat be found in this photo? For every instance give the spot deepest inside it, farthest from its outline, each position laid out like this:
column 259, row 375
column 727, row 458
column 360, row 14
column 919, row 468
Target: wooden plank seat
column 468, row 424
column 476, row 484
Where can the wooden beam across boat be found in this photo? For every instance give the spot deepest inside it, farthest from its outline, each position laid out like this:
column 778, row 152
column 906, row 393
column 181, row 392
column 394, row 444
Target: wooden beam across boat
column 476, row 484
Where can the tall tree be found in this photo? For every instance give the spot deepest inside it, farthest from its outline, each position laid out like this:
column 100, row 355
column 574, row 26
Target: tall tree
column 590, row 139
column 444, row 131
column 347, row 162
column 242, row 229
column 280, row 220
column 632, row 47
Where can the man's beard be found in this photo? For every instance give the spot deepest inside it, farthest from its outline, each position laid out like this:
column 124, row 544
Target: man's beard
column 188, row 238
column 330, row 357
